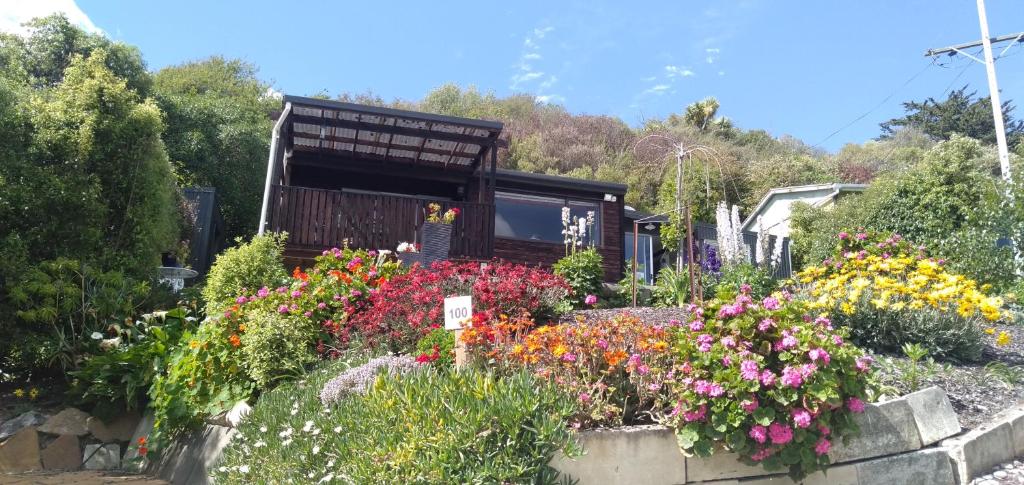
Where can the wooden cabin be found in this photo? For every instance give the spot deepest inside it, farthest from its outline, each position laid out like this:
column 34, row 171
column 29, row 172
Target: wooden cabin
column 364, row 174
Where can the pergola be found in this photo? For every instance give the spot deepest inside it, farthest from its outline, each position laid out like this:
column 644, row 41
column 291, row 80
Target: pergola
column 376, row 139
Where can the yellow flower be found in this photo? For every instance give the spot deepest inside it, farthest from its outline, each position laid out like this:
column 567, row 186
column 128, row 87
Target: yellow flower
column 1003, row 339
column 34, row 393
column 990, row 331
column 19, row 393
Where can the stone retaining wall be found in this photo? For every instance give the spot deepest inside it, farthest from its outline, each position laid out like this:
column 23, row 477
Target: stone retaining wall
column 893, row 447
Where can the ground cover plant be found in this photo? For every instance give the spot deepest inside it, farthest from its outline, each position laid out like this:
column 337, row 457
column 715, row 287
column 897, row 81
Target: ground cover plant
column 422, row 426
column 890, row 293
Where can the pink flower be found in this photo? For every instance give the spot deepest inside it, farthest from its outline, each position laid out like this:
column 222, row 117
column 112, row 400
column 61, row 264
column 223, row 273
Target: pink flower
column 819, row 354
column 745, row 288
column 356, row 293
column 282, row 309
column 801, row 417
column 602, row 344
column 696, row 326
column 855, row 405
column 750, row 405
column 770, row 303
column 569, row 357
column 861, row 236
column 642, row 369
column 728, row 342
column 792, row 377
column 843, row 235
column 296, row 294
column 727, row 361
column 759, row 433
column 749, row 370
column 766, row 324
column 263, row 293
column 779, row 433
column 337, row 298
column 690, row 416
column 789, row 342
column 863, row 364
column 308, row 314
column 836, row 339
column 240, row 300
column 822, row 446
column 321, row 305
column 282, row 289
column 824, row 430
column 590, row 300
column 767, row 377
column 761, row 454
column 584, row 397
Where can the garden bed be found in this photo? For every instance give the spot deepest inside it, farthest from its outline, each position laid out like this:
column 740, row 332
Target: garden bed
column 978, row 390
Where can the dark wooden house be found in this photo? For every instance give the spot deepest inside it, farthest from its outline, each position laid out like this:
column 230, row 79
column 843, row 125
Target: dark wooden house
column 363, row 174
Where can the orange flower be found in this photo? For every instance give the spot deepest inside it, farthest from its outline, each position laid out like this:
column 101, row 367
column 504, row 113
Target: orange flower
column 193, row 344
column 613, row 358
column 235, row 341
column 142, row 441
column 299, row 274
column 335, row 273
column 241, row 327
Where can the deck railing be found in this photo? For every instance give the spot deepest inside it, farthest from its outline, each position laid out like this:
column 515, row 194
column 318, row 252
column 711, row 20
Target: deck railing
column 319, row 219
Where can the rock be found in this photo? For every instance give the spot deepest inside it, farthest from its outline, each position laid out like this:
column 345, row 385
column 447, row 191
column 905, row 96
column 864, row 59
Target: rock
column 980, row 449
column 21, row 452
column 68, row 421
column 119, row 429
column 63, row 454
column 102, row 457
column 1000, row 474
column 928, row 466
column 885, row 429
column 933, row 415
column 637, row 454
column 988, row 482
column 11, row 427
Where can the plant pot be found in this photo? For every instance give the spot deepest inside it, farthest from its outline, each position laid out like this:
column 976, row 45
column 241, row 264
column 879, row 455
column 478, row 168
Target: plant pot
column 437, row 241
column 407, row 259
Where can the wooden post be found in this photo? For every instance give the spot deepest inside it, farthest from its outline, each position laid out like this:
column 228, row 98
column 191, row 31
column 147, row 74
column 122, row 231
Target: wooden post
column 636, row 238
column 461, row 358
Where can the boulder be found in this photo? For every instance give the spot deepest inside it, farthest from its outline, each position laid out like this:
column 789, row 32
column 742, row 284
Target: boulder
column 102, row 457
column 24, row 420
column 68, row 421
column 936, row 420
column 117, row 430
column 20, row 453
column 64, row 453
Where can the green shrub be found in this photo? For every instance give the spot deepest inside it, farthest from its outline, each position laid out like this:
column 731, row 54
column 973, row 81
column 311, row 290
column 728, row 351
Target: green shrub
column 118, row 378
column 247, row 266
column 584, row 273
column 437, row 347
column 429, row 426
column 276, row 346
column 735, row 275
column 672, row 288
column 63, row 303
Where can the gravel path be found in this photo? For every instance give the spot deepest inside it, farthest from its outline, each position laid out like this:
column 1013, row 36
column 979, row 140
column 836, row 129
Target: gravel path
column 78, row 478
column 1012, row 473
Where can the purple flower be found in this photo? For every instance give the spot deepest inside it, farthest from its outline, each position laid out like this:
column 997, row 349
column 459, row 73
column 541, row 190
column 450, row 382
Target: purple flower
column 696, row 326
column 296, row 294
column 240, row 300
column 263, row 293
column 590, row 300
column 749, row 370
column 356, row 293
column 766, row 324
column 770, row 303
column 836, row 339
column 789, row 342
column 602, row 344
column 308, row 313
column 792, row 377
column 767, row 378
column 728, row 342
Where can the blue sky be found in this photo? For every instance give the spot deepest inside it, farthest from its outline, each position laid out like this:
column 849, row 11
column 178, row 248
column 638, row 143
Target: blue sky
column 804, row 69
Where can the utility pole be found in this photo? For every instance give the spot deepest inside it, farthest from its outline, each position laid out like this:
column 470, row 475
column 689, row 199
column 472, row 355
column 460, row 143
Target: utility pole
column 993, row 86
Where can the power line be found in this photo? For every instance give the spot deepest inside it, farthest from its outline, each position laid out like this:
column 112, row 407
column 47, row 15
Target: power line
column 879, row 105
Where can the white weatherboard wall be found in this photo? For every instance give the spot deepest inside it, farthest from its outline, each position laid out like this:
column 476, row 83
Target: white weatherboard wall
column 775, row 216
column 888, row 450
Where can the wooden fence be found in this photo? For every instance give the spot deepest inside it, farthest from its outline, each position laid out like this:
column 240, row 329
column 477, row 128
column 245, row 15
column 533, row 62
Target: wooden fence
column 320, row 219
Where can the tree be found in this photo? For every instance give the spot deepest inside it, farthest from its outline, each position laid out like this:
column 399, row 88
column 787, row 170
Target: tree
column 961, row 113
column 218, row 133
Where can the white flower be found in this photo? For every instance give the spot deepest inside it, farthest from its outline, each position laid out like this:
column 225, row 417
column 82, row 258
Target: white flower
column 307, row 427
column 259, row 444
column 286, row 433
column 295, row 411
column 222, row 469
column 330, row 463
column 244, row 468
column 316, row 450
column 286, row 442
column 337, row 429
column 263, row 429
column 326, row 478
column 96, row 336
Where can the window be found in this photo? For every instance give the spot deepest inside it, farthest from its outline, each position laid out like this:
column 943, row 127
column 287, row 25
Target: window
column 645, row 258
column 537, row 218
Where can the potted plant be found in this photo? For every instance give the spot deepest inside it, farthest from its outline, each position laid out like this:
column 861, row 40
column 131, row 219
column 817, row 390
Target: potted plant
column 408, row 253
column 437, row 233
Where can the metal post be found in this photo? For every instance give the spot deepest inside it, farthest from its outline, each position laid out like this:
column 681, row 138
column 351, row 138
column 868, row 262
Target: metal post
column 679, row 207
column 636, row 239
column 689, row 252
column 275, row 140
column 993, row 90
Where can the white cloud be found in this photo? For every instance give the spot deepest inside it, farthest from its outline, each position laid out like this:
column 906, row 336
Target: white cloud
column 547, row 83
column 524, row 77
column 712, row 54
column 649, row 79
column 657, row 89
column 721, row 73
column 677, row 71
column 531, row 56
column 550, row 98
column 531, row 52
column 16, row 12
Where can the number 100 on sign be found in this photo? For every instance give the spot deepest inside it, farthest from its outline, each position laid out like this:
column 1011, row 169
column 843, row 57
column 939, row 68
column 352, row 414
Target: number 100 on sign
column 458, row 310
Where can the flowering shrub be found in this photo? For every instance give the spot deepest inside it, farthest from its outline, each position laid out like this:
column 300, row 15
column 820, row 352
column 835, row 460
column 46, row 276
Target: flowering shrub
column 409, row 306
column 764, row 379
column 891, row 293
column 611, row 366
column 358, row 379
column 435, row 215
column 437, row 347
column 428, row 426
column 583, row 271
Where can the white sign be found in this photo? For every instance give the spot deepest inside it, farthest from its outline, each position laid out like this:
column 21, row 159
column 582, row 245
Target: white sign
column 458, row 310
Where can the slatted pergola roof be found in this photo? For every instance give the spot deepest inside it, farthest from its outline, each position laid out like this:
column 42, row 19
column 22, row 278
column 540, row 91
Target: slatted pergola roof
column 386, row 134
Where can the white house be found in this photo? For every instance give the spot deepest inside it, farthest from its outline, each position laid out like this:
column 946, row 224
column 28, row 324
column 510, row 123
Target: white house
column 775, row 208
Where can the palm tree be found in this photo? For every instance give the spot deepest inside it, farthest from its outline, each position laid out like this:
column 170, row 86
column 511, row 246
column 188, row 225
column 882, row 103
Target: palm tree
column 702, row 113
